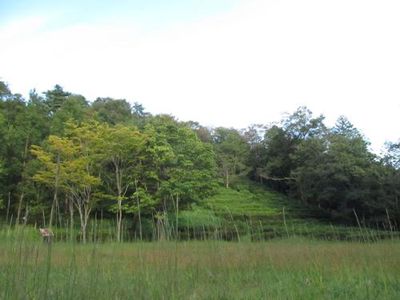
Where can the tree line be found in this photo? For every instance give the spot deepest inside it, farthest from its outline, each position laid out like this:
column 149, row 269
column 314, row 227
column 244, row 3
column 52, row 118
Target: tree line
column 62, row 159
column 331, row 169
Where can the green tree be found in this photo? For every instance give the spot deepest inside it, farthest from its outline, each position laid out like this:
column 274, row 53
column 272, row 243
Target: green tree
column 331, row 173
column 310, row 176
column 122, row 151
column 55, row 98
column 232, row 152
column 301, row 125
column 281, row 142
column 391, row 183
column 278, row 148
column 74, row 108
column 18, row 134
column 4, row 90
column 82, row 170
column 69, row 164
column 184, row 166
column 113, row 111
column 2, row 169
column 203, row 133
column 139, row 115
column 187, row 172
column 54, row 158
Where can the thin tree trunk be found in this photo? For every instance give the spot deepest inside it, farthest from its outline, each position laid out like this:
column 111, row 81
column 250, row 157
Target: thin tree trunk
column 83, row 225
column 83, row 228
column 52, row 208
column 55, row 195
column 119, row 219
column 139, row 213
column 71, row 216
column 87, row 209
column 119, row 199
column 44, row 218
column 58, row 214
column 26, row 214
column 81, row 221
column 140, row 220
column 8, row 206
column 21, row 199
column 176, row 219
column 87, row 215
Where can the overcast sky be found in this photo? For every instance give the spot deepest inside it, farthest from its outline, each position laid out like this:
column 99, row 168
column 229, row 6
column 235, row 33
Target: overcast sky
column 218, row 62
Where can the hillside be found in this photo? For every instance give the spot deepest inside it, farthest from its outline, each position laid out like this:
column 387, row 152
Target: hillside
column 250, row 211
column 134, row 167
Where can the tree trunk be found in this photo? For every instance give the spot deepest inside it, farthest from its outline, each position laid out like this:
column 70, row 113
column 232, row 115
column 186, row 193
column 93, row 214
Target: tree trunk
column 26, row 214
column 44, row 218
column 176, row 218
column 71, row 216
column 119, row 219
column 52, row 208
column 139, row 213
column 83, row 229
column 8, row 206
column 83, row 221
column 227, row 179
column 81, row 225
column 87, row 210
column 140, row 220
column 21, row 199
column 118, row 178
column 55, row 195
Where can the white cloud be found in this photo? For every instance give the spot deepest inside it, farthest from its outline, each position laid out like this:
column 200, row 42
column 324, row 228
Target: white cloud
column 21, row 28
column 245, row 66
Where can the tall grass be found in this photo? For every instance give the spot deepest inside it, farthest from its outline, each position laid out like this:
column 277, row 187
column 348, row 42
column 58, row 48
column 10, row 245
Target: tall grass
column 208, row 252
column 201, row 224
column 287, row 268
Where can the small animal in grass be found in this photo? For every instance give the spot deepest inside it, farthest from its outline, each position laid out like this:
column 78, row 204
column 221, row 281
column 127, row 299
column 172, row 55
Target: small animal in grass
column 46, row 234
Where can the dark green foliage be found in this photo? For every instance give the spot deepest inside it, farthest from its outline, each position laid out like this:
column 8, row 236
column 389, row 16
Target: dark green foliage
column 331, row 169
column 114, row 111
column 183, row 166
column 151, row 168
column 232, row 154
column 74, row 108
column 4, row 90
column 54, row 99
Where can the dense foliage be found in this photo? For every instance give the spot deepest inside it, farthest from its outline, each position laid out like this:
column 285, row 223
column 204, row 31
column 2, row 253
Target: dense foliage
column 62, row 157
column 331, row 169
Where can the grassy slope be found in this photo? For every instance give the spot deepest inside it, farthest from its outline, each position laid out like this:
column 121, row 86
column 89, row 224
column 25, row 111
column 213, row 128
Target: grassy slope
column 250, row 210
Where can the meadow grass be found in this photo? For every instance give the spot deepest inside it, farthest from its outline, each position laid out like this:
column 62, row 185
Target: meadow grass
column 277, row 250
column 291, row 268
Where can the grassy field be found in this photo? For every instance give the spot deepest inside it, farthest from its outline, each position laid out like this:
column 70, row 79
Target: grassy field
column 242, row 243
column 290, row 268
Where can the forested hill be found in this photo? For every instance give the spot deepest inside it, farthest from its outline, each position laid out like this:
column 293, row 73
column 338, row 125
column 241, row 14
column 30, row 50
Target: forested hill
column 63, row 160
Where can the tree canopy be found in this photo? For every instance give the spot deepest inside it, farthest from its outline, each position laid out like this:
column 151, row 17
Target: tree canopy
column 61, row 155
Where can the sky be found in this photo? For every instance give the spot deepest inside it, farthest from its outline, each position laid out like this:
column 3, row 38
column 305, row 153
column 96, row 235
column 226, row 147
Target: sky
column 219, row 62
